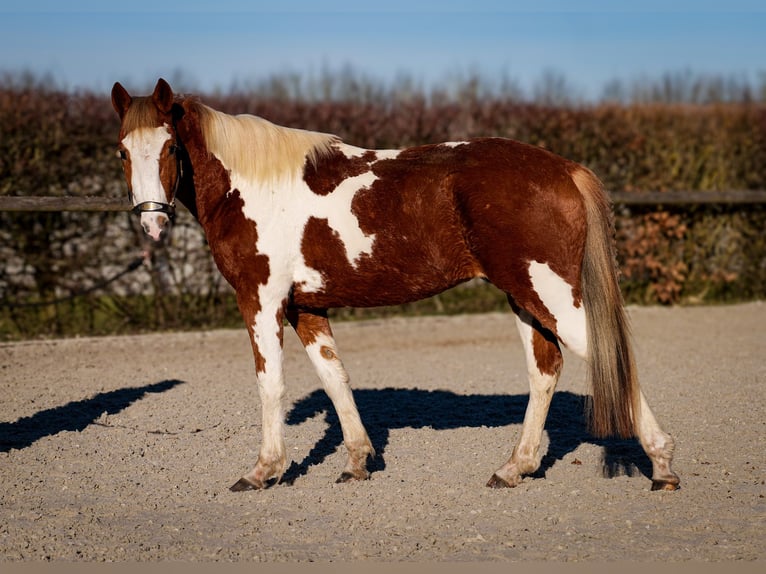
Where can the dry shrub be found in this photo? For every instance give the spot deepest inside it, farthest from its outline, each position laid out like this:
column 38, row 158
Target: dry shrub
column 57, row 143
column 650, row 248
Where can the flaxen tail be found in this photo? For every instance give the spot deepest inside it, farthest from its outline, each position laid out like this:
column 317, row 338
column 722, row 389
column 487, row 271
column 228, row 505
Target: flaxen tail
column 612, row 369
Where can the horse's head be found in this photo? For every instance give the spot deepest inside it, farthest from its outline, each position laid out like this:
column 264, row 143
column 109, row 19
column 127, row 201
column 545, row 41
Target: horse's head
column 150, row 152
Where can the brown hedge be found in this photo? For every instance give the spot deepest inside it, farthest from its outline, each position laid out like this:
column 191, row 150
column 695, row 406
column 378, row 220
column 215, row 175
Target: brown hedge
column 58, row 143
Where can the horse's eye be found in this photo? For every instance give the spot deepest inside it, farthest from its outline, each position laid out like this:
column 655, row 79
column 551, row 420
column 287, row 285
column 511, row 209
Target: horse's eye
column 172, row 149
column 122, row 154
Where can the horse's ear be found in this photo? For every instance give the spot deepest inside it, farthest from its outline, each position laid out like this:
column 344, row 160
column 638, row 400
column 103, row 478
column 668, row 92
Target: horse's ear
column 120, row 99
column 163, row 96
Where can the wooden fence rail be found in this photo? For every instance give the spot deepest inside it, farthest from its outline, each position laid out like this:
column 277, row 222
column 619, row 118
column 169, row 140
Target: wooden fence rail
column 69, row 203
column 730, row 197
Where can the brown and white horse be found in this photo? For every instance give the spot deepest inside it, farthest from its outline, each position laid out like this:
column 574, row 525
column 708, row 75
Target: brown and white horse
column 299, row 222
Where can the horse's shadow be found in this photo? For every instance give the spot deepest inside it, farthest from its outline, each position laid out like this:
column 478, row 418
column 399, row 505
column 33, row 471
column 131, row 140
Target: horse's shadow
column 385, row 409
column 73, row 416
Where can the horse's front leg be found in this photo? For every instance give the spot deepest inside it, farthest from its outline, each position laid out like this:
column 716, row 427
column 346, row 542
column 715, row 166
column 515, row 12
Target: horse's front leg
column 313, row 329
column 264, row 324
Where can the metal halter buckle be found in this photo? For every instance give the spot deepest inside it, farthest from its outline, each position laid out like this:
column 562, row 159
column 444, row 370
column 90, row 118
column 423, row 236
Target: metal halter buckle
column 149, row 206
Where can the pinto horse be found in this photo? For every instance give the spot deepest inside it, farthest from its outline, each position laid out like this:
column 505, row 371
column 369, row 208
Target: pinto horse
column 299, row 222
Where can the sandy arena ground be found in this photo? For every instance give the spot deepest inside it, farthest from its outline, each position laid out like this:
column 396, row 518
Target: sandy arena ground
column 123, row 448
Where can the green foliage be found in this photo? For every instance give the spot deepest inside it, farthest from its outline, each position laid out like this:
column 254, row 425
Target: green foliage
column 58, row 143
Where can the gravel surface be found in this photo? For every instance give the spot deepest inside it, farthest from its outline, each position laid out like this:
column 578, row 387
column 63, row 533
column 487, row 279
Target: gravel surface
column 123, row 448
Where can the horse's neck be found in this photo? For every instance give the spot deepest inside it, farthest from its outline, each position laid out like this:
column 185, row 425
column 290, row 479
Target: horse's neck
column 204, row 177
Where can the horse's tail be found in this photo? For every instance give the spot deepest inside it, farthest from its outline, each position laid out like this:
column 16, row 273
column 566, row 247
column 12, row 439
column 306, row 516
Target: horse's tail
column 612, row 368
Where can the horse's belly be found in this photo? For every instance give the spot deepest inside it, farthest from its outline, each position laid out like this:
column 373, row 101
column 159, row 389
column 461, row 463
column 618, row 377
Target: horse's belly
column 375, row 282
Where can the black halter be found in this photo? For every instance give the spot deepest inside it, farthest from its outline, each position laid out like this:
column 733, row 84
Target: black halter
column 157, row 206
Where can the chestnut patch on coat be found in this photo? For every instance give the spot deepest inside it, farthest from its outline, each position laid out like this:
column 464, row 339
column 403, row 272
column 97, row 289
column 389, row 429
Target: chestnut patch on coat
column 330, row 170
column 547, row 351
column 309, row 324
column 169, row 167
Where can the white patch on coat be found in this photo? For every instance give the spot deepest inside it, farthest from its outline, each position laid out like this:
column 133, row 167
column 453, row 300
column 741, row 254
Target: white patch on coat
column 387, row 154
column 453, row 144
column 336, row 208
column 281, row 211
column 144, row 146
column 556, row 295
column 352, row 152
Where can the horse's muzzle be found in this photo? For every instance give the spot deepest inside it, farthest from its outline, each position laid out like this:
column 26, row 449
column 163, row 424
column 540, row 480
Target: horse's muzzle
column 156, row 225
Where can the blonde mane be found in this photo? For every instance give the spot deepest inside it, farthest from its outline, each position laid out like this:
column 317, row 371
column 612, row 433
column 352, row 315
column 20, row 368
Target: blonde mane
column 258, row 149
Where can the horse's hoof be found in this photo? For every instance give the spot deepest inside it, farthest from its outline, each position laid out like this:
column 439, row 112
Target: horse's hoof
column 665, row 485
column 497, row 482
column 347, row 476
column 244, row 484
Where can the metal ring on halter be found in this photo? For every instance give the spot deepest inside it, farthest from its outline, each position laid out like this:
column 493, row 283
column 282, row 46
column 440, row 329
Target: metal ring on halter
column 150, row 206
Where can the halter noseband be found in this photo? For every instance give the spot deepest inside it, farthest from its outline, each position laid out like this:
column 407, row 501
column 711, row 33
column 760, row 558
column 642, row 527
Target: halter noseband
column 156, row 206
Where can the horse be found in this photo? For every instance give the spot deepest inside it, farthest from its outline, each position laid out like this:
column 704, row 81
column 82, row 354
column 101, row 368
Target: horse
column 300, row 222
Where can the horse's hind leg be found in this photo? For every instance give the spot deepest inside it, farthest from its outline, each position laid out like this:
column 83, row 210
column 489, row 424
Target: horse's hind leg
column 313, row 329
column 544, row 362
column 658, row 446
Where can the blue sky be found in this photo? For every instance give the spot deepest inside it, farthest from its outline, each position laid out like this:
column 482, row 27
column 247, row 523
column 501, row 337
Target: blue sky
column 211, row 45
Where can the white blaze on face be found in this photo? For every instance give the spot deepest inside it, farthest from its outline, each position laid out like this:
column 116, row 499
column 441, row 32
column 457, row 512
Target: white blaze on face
column 144, row 147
